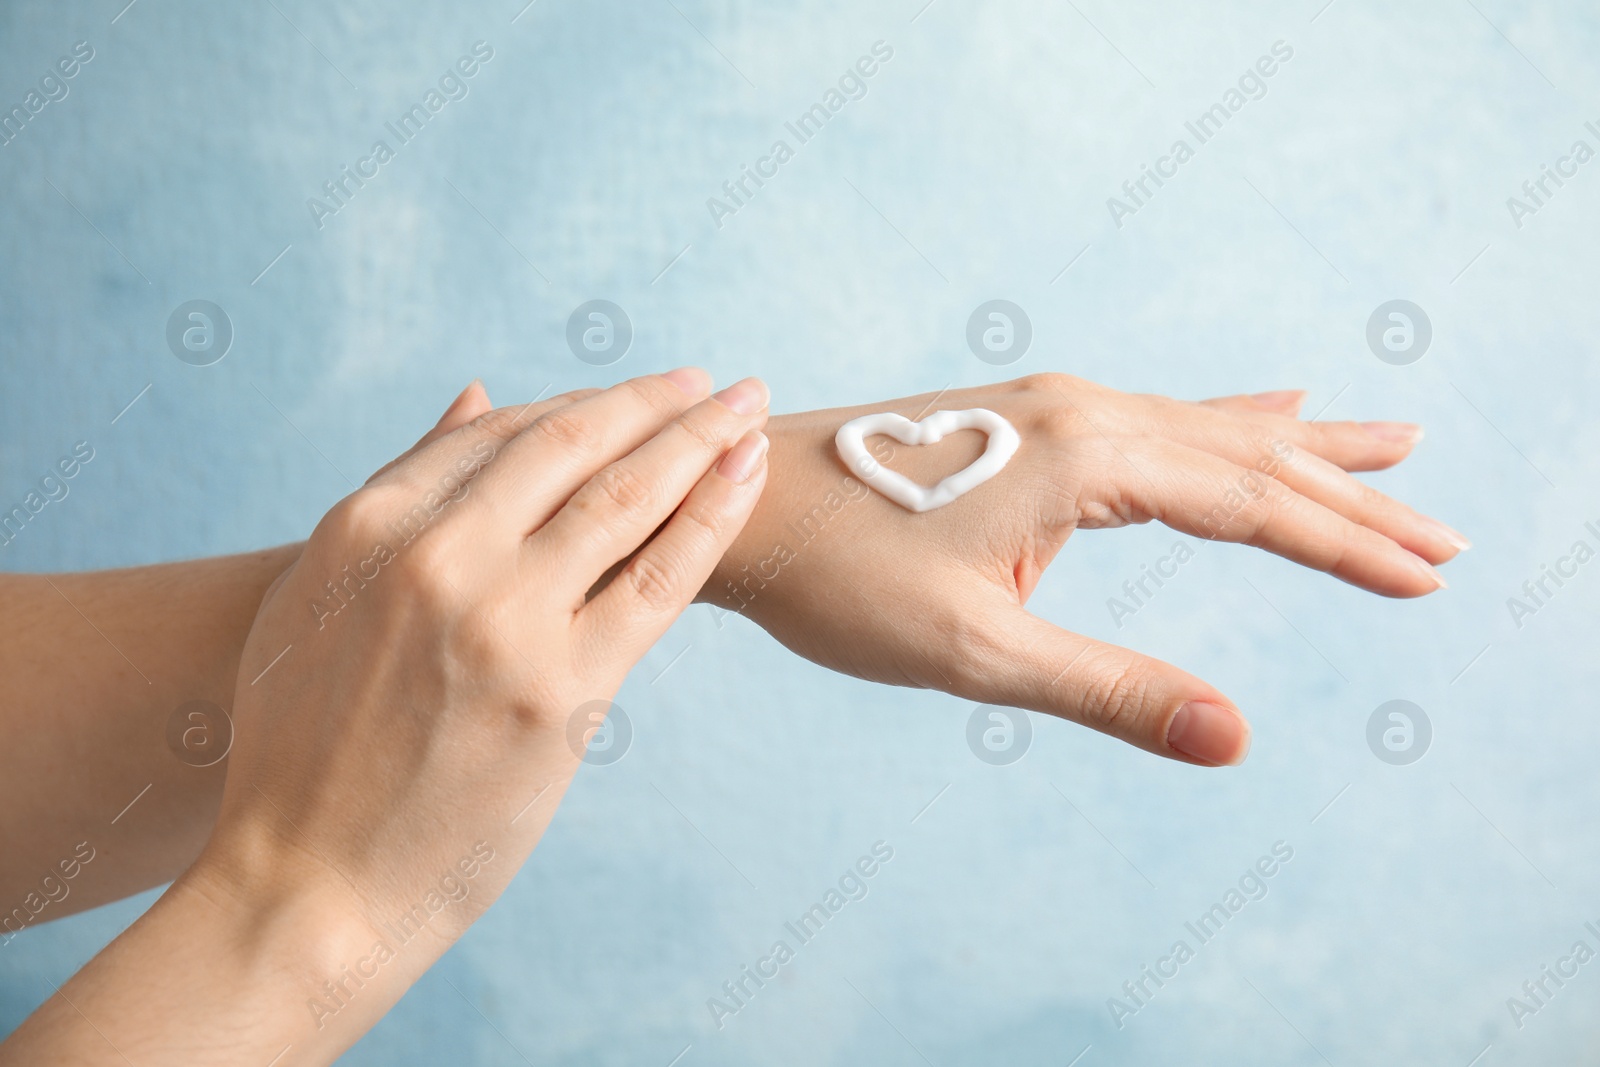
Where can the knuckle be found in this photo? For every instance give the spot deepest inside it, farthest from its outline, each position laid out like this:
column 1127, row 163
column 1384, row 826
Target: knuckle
column 563, row 428
column 648, row 391
column 1046, row 383
column 1261, row 511
column 355, row 518
column 1059, row 423
column 500, row 425
column 622, row 489
column 652, row 582
column 703, row 435
column 1114, row 699
column 1345, row 549
column 1369, row 501
column 707, row 523
column 1265, row 453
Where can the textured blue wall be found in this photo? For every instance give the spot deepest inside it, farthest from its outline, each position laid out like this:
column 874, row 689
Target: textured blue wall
column 1376, row 166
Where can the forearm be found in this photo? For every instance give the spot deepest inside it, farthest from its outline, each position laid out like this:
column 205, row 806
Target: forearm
column 96, row 666
column 208, row 976
column 99, row 662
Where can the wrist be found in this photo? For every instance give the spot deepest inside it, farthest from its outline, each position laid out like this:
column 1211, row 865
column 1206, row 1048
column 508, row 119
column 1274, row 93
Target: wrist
column 800, row 448
column 215, row 973
column 298, row 939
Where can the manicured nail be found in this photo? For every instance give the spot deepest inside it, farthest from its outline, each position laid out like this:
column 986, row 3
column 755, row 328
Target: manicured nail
column 1210, row 733
column 744, row 397
column 744, row 457
column 1456, row 538
column 1279, row 398
column 1426, row 569
column 1408, row 433
column 691, row 380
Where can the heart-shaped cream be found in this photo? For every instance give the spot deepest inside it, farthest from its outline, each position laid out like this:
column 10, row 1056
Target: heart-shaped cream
column 851, row 442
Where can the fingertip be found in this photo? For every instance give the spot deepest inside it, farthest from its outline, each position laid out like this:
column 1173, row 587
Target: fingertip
column 747, row 396
column 1285, row 401
column 1399, row 433
column 746, row 459
column 1449, row 535
column 1210, row 734
column 1414, row 577
column 462, row 402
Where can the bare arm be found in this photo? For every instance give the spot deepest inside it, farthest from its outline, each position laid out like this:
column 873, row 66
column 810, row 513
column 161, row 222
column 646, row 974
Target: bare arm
column 89, row 731
column 95, row 666
column 377, row 797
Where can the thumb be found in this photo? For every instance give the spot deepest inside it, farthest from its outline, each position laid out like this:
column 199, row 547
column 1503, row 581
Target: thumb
column 1030, row 663
column 468, row 405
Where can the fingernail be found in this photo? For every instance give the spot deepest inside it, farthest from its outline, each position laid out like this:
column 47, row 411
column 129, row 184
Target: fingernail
column 1404, row 432
column 1455, row 537
column 1210, row 733
column 1279, row 398
column 744, row 397
column 691, row 380
column 744, row 457
column 1426, row 569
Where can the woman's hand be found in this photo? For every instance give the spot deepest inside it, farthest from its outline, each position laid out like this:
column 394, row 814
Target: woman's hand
column 846, row 578
column 402, row 715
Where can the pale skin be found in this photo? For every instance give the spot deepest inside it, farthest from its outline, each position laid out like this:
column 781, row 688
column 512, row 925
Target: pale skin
column 395, row 742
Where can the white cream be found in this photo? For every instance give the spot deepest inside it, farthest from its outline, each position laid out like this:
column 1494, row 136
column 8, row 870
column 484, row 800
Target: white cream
column 851, row 442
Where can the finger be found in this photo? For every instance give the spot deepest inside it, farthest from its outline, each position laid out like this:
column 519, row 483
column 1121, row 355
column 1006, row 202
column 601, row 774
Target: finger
column 1198, row 493
column 1308, row 474
column 628, row 500
column 658, row 583
column 468, row 405
column 431, row 458
column 1278, row 402
column 1355, row 446
column 539, row 470
column 1023, row 661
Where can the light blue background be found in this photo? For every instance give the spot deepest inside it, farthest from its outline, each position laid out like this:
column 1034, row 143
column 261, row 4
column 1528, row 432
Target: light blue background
column 1381, row 159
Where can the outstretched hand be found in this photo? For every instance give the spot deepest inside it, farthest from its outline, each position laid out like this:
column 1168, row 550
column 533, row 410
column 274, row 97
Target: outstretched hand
column 845, row 578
